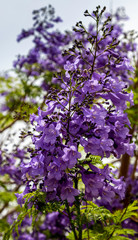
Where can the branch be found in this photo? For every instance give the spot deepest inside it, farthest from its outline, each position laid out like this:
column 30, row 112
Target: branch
column 10, row 125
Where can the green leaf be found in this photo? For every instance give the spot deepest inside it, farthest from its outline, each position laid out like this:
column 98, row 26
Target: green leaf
column 7, row 197
column 3, row 225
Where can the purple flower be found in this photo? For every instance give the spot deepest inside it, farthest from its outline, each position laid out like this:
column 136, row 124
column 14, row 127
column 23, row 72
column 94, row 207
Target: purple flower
column 51, row 133
column 51, row 184
column 106, row 144
column 93, row 184
column 75, row 124
column 0, row 157
column 120, row 187
column 96, row 115
column 91, row 145
column 68, row 192
column 25, row 34
column 129, row 148
column 56, row 223
column 54, row 171
column 35, row 167
column 92, row 86
column 120, row 130
column 107, row 194
column 70, row 156
column 20, row 197
column 125, row 65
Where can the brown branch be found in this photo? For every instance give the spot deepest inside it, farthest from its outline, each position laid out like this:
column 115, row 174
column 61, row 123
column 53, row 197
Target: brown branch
column 125, row 161
column 4, row 206
column 10, row 212
column 10, row 125
column 134, row 169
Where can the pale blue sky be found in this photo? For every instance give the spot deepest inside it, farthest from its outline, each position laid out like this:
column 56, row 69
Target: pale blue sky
column 17, row 14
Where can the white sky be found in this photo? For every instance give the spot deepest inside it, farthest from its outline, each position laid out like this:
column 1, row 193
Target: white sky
column 17, row 14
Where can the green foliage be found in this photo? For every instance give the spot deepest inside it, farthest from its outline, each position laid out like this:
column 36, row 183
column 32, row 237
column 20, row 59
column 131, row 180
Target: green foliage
column 19, row 94
column 35, row 204
column 4, row 226
column 18, row 100
column 37, row 199
column 95, row 160
column 18, row 222
column 7, row 197
column 105, row 225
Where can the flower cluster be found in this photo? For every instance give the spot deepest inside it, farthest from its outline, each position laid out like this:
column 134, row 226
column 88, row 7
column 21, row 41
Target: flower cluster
column 81, row 121
column 9, row 164
column 54, row 223
column 46, row 55
column 87, row 113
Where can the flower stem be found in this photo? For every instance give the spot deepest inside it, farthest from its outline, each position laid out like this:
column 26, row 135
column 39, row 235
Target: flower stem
column 71, row 222
column 77, row 204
